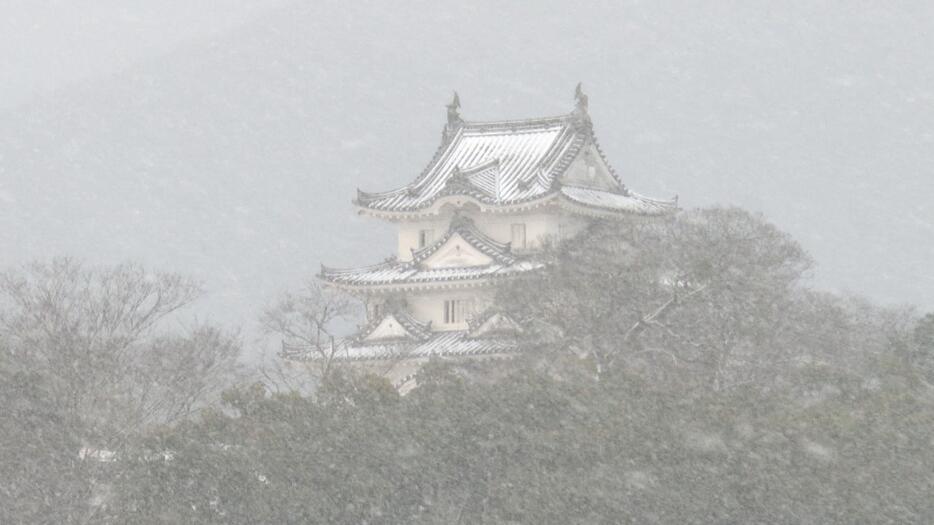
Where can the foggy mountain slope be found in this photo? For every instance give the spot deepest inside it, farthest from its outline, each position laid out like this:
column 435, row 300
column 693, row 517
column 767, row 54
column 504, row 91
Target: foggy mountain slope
column 48, row 46
column 234, row 159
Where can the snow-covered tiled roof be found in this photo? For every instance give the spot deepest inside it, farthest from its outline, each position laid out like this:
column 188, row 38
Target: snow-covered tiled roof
column 451, row 344
column 464, row 227
column 493, row 162
column 406, row 273
column 505, row 163
column 396, row 272
column 631, row 202
column 492, row 322
column 415, row 330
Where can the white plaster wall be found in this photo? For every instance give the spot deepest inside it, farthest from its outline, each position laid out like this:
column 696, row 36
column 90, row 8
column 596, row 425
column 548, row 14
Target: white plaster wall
column 499, row 227
column 538, row 227
column 457, row 253
column 589, row 170
column 430, row 306
column 408, row 234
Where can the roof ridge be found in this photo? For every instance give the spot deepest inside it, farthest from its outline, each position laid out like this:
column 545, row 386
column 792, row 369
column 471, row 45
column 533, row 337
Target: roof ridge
column 563, row 159
column 673, row 200
column 534, row 154
column 611, row 201
column 476, row 168
column 438, row 155
column 563, row 119
column 625, row 193
column 413, row 324
column 606, row 161
column 451, row 342
column 364, row 196
column 474, row 322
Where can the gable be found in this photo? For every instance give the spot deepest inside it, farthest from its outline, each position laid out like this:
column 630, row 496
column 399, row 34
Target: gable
column 456, row 253
column 486, row 177
column 388, row 328
column 496, row 324
column 589, row 170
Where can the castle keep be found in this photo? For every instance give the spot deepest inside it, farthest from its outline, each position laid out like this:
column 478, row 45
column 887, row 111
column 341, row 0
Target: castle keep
column 490, row 196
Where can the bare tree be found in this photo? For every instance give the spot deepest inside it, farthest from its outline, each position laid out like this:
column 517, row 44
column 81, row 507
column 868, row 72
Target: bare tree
column 91, row 333
column 307, row 319
column 180, row 373
column 84, row 371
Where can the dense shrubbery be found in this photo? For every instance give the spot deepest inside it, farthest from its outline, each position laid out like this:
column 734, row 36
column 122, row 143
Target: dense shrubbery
column 85, row 373
column 539, row 449
column 675, row 372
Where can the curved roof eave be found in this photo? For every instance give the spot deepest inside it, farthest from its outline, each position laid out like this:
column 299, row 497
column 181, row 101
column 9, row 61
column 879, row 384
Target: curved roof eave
column 435, row 208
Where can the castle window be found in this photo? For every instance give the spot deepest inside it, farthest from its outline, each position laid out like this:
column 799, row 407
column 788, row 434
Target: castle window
column 457, row 311
column 518, row 236
column 425, row 237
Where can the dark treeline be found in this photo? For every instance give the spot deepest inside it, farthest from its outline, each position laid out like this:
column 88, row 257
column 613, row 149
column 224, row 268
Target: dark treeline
column 672, row 371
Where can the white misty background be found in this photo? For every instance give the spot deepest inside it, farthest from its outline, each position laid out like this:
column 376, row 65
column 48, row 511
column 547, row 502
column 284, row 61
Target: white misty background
column 225, row 142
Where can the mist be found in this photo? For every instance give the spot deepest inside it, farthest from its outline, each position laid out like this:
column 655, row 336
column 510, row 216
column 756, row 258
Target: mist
column 227, row 143
column 174, row 174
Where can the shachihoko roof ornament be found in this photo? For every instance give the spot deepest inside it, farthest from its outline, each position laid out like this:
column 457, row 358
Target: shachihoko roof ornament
column 454, row 119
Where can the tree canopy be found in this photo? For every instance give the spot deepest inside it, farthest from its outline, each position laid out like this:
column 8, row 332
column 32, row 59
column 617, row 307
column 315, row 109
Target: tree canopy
column 675, row 371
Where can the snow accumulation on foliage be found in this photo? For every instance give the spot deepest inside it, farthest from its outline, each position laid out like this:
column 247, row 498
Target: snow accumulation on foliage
column 737, row 395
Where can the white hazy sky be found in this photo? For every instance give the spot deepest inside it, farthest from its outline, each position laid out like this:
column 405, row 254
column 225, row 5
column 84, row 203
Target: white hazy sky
column 225, row 139
column 48, row 45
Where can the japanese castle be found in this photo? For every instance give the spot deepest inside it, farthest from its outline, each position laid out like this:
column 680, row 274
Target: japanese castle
column 489, row 198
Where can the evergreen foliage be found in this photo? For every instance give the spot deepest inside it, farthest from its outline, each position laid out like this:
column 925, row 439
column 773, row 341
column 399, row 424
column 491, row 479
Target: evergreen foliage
column 674, row 372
